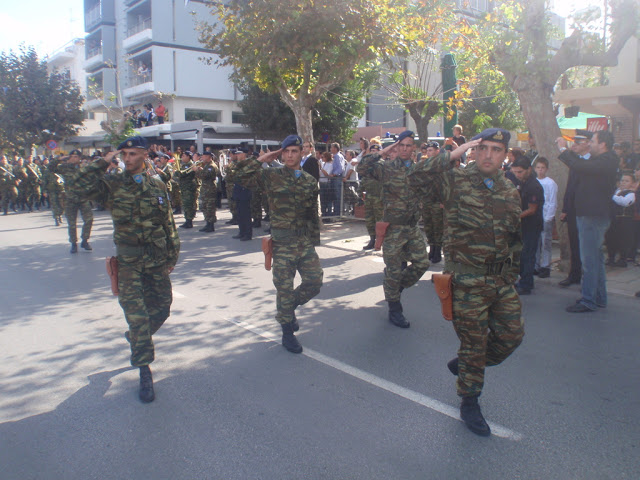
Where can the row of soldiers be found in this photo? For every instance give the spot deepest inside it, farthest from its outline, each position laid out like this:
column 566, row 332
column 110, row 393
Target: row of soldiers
column 29, row 183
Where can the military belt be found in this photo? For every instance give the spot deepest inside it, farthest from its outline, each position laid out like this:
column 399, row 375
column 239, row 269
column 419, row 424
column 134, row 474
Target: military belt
column 130, row 250
column 486, row 269
column 291, row 232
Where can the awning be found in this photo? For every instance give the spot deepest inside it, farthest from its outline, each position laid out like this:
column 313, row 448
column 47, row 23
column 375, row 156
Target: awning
column 568, row 126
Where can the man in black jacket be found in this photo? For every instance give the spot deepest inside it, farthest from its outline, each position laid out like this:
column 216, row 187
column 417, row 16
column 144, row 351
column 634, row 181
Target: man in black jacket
column 309, row 163
column 596, row 183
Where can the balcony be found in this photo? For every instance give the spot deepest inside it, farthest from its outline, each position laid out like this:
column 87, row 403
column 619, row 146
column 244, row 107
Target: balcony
column 138, row 34
column 140, row 83
column 93, row 58
column 93, row 17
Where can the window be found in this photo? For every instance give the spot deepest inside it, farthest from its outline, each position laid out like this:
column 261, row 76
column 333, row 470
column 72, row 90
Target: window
column 204, row 115
column 238, row 117
column 89, row 115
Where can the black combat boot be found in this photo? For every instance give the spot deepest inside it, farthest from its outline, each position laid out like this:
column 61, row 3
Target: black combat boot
column 85, row 245
column 472, row 416
column 453, row 366
column 395, row 315
column 437, row 254
column 371, row 244
column 294, row 323
column 289, row 340
column 208, row 228
column 74, row 248
column 187, row 224
column 233, row 221
column 146, row 394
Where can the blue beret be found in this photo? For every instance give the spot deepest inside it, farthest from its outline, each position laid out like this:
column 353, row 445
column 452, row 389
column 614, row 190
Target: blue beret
column 75, row 152
column 241, row 150
column 134, row 142
column 494, row 135
column 405, row 134
column 291, row 140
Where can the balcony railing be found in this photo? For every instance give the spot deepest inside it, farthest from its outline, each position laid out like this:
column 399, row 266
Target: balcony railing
column 92, row 52
column 140, row 78
column 138, row 27
column 93, row 16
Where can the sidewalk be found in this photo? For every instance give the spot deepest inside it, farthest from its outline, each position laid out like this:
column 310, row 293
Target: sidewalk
column 349, row 234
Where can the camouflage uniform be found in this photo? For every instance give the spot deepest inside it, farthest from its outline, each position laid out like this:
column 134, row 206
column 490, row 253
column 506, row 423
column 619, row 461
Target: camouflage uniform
column 403, row 241
column 54, row 185
column 373, row 209
column 209, row 191
column 32, row 186
column 295, row 229
column 147, row 246
column 433, row 215
column 256, row 205
column 8, row 188
column 483, row 240
column 73, row 202
column 189, row 190
column 23, row 178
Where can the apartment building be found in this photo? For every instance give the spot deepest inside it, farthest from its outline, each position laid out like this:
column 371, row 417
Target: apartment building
column 142, row 51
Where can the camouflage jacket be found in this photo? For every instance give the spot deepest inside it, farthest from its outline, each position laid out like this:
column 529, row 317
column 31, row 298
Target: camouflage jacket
column 7, row 177
column 70, row 174
column 229, row 173
column 209, row 177
column 292, row 196
column 141, row 212
column 398, row 200
column 186, row 180
column 482, row 219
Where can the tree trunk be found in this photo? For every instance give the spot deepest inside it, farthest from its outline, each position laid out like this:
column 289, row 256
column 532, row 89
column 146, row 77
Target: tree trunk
column 304, row 125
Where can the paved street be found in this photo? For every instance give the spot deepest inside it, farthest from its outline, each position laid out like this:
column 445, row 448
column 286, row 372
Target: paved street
column 366, row 400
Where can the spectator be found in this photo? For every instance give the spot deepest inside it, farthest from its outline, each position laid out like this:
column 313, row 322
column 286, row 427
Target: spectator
column 326, row 192
column 619, row 238
column 160, row 111
column 350, row 182
column 596, row 183
column 309, row 163
column 543, row 256
column 532, row 198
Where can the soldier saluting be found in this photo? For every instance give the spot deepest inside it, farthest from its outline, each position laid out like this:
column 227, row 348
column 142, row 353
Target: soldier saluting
column 483, row 241
column 147, row 246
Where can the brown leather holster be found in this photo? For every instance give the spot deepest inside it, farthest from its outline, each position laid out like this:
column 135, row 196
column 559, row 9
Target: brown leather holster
column 442, row 283
column 381, row 231
column 267, row 249
column 112, row 271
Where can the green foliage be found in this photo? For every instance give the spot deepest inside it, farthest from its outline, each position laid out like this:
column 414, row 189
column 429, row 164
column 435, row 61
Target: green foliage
column 118, row 131
column 35, row 105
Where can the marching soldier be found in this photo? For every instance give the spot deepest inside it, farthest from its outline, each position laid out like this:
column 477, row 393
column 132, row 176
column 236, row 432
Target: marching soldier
column 403, row 240
column 189, row 188
column 229, row 173
column 373, row 209
column 483, row 238
column 8, row 185
column 70, row 171
column 54, row 185
column 147, row 247
column 208, row 173
column 432, row 212
column 295, row 230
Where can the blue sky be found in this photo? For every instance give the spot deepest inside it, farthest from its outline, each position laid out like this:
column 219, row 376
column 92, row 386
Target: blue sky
column 48, row 25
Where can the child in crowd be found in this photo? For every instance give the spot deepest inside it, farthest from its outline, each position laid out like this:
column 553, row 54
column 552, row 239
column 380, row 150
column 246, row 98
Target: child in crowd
column 543, row 255
column 619, row 238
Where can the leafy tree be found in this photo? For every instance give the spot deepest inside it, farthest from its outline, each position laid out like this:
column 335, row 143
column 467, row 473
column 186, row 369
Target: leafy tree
column 336, row 113
column 35, row 105
column 304, row 48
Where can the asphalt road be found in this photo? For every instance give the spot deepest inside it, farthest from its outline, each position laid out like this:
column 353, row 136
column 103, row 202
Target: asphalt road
column 366, row 400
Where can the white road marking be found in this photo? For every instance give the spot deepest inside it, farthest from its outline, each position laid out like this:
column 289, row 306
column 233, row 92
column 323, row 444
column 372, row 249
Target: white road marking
column 425, row 401
column 178, row 294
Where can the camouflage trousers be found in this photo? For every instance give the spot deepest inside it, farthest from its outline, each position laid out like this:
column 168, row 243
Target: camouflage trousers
column 373, row 211
column 176, row 197
column 488, row 321
column 71, row 212
column 433, row 219
column 56, row 200
column 145, row 297
column 9, row 195
column 189, row 203
column 294, row 255
column 208, row 200
column 403, row 243
column 33, row 195
column 256, row 205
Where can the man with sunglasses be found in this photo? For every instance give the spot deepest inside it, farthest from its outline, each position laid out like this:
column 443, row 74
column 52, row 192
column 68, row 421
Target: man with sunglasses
column 403, row 241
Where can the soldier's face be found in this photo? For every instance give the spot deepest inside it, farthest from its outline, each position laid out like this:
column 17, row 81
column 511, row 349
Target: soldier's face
column 432, row 152
column 490, row 156
column 291, row 156
column 75, row 159
column 133, row 159
column 405, row 148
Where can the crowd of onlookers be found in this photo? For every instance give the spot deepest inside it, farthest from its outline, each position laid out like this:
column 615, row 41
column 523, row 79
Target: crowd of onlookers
column 146, row 115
